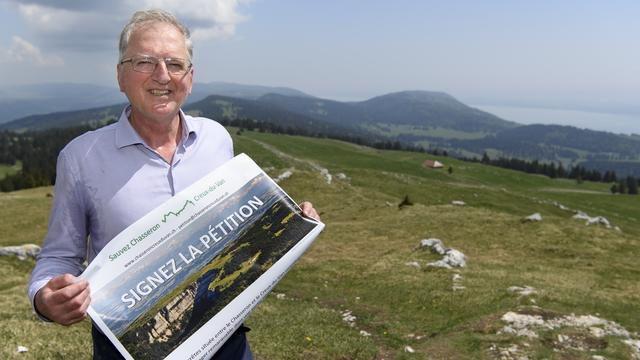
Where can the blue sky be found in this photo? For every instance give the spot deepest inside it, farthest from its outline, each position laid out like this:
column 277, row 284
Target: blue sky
column 568, row 54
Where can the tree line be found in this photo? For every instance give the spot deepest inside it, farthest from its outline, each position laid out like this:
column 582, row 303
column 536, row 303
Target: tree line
column 38, row 151
column 628, row 185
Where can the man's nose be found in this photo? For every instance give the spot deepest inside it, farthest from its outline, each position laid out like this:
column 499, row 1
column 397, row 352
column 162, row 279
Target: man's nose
column 160, row 73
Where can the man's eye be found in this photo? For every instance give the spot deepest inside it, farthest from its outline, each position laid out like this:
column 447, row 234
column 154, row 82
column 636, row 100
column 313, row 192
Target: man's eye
column 175, row 66
column 144, row 62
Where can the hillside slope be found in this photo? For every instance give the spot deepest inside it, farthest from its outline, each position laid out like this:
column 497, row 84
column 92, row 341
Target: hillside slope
column 223, row 107
column 364, row 289
column 432, row 109
column 93, row 117
column 19, row 101
column 424, row 109
column 413, row 118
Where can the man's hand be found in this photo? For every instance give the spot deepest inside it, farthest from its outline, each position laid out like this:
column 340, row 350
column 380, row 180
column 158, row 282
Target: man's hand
column 309, row 211
column 64, row 299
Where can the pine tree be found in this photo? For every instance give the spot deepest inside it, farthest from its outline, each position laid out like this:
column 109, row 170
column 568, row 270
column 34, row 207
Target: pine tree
column 622, row 187
column 632, row 185
column 562, row 173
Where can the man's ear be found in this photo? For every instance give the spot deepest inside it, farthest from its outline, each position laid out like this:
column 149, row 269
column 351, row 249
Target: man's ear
column 119, row 76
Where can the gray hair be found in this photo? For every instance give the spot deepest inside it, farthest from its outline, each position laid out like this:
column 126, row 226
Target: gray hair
column 143, row 17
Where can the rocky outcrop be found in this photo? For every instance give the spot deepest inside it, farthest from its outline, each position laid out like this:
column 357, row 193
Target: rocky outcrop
column 596, row 220
column 436, row 245
column 575, row 333
column 522, row 290
column 285, row 175
column 533, row 218
column 326, row 175
column 21, row 251
column 172, row 318
column 451, row 257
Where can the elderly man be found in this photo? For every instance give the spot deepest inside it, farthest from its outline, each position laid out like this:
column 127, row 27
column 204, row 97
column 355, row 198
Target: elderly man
column 109, row 178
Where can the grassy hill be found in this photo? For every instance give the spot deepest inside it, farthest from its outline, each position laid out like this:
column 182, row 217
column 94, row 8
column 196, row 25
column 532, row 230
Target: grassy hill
column 223, row 107
column 9, row 169
column 352, row 296
column 412, row 118
column 89, row 117
column 423, row 111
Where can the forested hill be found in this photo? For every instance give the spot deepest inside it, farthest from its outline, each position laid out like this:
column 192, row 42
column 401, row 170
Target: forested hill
column 224, row 108
column 19, row 101
column 418, row 119
column 220, row 108
column 95, row 117
column 425, row 109
column 556, row 142
column 434, row 109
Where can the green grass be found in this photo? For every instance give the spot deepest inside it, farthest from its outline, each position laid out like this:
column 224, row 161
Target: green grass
column 6, row 170
column 392, row 130
column 24, row 215
column 358, row 263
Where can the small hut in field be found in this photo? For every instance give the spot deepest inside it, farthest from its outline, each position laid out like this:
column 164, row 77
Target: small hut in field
column 432, row 164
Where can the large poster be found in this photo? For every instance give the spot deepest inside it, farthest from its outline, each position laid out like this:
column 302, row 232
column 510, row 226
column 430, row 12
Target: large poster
column 178, row 282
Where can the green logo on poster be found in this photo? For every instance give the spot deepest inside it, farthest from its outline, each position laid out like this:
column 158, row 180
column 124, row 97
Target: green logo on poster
column 165, row 216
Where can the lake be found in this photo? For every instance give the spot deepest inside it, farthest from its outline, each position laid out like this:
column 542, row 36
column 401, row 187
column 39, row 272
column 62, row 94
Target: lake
column 616, row 123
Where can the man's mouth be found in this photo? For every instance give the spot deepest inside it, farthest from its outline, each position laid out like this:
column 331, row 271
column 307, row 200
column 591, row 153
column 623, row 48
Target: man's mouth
column 155, row 92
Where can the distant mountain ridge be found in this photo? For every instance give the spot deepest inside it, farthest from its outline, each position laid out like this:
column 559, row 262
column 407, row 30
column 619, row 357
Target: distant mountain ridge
column 92, row 117
column 223, row 107
column 419, row 118
column 24, row 100
column 202, row 90
column 437, row 109
column 418, row 108
column 556, row 142
column 422, row 109
column 20, row 101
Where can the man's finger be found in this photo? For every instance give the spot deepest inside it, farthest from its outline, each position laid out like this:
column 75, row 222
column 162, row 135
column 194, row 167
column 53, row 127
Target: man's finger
column 86, row 304
column 72, row 319
column 69, row 292
column 76, row 309
column 309, row 211
column 76, row 303
column 61, row 281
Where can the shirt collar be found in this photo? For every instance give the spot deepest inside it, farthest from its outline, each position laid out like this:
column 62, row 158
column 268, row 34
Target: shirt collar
column 126, row 135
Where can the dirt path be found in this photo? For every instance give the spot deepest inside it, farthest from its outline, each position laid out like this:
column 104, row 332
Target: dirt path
column 315, row 166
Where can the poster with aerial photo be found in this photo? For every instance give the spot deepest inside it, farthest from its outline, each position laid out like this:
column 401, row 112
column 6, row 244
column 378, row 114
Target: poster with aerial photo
column 178, row 282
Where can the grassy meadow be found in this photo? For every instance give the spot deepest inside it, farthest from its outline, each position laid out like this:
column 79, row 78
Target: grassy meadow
column 6, row 170
column 352, row 296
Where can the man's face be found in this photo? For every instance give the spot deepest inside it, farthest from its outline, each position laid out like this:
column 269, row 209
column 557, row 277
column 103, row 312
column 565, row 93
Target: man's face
column 156, row 96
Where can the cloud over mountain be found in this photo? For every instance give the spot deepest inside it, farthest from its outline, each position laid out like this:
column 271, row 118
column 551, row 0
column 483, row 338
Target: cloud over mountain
column 94, row 25
column 22, row 51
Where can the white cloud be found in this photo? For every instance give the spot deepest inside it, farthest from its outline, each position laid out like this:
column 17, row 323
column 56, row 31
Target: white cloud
column 90, row 27
column 210, row 19
column 22, row 51
column 45, row 19
column 82, row 30
column 84, row 34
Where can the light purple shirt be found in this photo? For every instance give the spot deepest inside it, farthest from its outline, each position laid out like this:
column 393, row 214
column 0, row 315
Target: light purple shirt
column 109, row 178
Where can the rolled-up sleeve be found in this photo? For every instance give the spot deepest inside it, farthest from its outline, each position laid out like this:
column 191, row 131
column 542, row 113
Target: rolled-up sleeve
column 65, row 246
